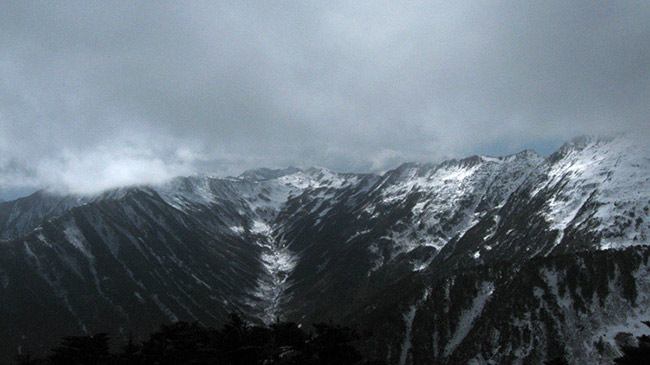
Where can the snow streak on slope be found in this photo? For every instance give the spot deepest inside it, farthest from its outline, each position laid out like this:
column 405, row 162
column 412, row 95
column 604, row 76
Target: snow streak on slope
column 469, row 316
column 278, row 262
column 266, row 199
column 409, row 317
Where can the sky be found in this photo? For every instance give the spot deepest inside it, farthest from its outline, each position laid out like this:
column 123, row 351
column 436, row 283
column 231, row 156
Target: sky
column 95, row 95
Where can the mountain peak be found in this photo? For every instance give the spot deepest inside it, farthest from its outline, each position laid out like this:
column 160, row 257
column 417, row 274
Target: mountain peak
column 527, row 153
column 581, row 142
column 319, row 172
column 607, row 145
column 264, row 173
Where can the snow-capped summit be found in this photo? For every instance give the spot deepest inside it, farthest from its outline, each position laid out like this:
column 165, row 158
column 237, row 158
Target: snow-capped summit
column 267, row 174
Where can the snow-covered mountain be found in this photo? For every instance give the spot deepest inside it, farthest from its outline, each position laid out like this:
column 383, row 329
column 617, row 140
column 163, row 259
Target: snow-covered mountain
column 312, row 245
column 195, row 248
column 594, row 193
column 523, row 284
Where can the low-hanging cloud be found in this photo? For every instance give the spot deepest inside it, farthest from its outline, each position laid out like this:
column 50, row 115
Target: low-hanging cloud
column 101, row 94
column 104, row 169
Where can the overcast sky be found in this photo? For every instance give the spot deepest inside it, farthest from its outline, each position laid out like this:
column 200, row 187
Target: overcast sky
column 99, row 94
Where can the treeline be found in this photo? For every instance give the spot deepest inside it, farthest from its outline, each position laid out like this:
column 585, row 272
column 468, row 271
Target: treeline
column 238, row 342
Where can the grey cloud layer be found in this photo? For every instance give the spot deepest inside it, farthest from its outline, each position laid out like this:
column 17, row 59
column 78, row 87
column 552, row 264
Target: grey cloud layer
column 98, row 94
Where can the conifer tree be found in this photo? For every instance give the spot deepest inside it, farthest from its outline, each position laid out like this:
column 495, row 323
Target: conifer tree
column 82, row 350
column 560, row 360
column 633, row 355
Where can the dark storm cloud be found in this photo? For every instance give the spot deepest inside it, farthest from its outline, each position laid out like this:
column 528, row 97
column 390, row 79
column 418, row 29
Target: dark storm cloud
column 98, row 94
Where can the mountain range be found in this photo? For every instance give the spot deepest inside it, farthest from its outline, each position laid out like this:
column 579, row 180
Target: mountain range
column 482, row 260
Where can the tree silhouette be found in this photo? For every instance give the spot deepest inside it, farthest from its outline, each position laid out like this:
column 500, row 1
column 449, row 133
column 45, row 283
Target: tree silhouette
column 333, row 344
column 174, row 344
column 640, row 354
column 560, row 360
column 26, row 359
column 237, row 342
column 131, row 352
column 82, row 350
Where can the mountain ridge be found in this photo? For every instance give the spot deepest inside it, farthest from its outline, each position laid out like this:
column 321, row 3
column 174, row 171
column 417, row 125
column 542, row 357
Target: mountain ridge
column 309, row 245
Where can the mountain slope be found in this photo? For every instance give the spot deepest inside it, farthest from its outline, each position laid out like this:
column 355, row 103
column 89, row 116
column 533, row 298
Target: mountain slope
column 580, row 306
column 124, row 261
column 314, row 245
column 367, row 240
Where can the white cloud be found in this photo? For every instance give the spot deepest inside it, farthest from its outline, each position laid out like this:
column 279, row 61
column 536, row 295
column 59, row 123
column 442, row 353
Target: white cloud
column 104, row 168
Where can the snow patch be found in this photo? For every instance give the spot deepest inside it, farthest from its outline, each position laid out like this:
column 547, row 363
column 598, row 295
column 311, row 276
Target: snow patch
column 409, row 317
column 260, row 227
column 467, row 318
column 74, row 236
